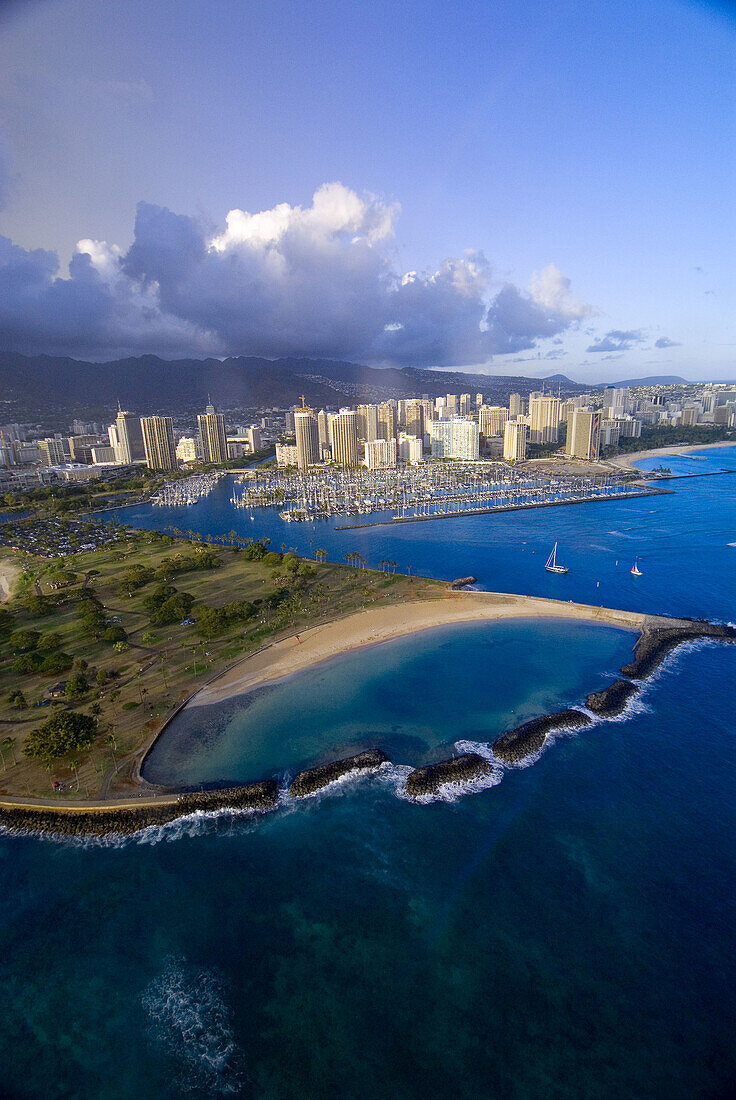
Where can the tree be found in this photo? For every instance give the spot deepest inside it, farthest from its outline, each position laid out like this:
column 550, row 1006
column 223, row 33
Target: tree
column 22, row 640
column 101, row 677
column 27, row 662
column 65, row 732
column 49, row 641
column 211, row 622
column 114, row 633
column 56, row 662
column 76, row 685
column 17, row 699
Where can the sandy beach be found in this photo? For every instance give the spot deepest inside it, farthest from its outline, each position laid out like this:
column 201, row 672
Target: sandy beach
column 9, row 573
column 627, row 461
column 320, row 643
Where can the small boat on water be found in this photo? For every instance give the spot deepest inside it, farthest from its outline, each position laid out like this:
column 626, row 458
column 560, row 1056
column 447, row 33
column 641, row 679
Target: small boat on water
column 552, row 566
column 635, row 570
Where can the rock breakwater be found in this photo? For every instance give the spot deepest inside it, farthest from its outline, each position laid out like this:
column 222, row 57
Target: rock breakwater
column 314, row 779
column 610, row 702
column 462, row 582
column 104, row 821
column 460, row 769
column 655, row 643
column 521, row 742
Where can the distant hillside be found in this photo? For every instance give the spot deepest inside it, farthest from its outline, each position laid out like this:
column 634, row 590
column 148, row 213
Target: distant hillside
column 652, row 380
column 34, row 387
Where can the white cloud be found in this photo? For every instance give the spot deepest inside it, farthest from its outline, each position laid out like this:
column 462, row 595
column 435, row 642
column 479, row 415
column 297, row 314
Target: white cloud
column 316, row 280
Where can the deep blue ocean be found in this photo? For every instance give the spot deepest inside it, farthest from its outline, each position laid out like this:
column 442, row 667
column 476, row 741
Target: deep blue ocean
column 567, row 931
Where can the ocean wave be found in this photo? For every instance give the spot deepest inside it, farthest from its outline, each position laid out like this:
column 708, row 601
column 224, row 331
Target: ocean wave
column 189, row 1017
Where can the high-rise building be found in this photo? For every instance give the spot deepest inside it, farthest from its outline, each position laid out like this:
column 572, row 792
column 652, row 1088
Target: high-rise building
column 211, row 428
column 253, row 435
column 516, row 405
column 465, row 404
column 616, row 401
column 323, row 432
column 414, row 419
column 491, row 420
column 380, row 454
column 451, row 403
column 367, row 422
column 345, row 438
column 514, row 440
column 158, row 442
column 410, row 449
column 465, row 440
column 440, row 438
column 478, row 400
column 52, row 451
column 584, row 434
column 387, row 420
column 307, row 438
column 544, row 414
column 130, row 446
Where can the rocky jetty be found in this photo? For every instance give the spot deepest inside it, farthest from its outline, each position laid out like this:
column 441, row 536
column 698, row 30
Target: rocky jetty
column 315, row 778
column 131, row 819
column 462, row 582
column 611, row 701
column 521, row 742
column 655, row 643
column 459, row 769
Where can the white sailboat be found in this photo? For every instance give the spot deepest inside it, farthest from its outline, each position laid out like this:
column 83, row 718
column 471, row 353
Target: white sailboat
column 552, row 566
column 635, row 570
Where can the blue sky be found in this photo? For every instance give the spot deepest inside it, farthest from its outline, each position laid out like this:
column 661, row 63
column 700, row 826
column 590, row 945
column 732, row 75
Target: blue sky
column 476, row 144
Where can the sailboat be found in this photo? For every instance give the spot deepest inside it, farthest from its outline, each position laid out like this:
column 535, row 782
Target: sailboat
column 635, row 570
column 552, row 566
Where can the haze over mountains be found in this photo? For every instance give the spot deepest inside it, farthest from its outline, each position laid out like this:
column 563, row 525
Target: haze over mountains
column 38, row 383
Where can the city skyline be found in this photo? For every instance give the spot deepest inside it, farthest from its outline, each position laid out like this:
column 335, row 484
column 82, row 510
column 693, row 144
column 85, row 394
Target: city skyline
column 544, row 209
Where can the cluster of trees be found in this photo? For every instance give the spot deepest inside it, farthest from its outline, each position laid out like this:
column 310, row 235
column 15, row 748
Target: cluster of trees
column 167, row 605
column 137, row 576
column 38, row 652
column 62, row 733
column 92, row 616
column 212, row 621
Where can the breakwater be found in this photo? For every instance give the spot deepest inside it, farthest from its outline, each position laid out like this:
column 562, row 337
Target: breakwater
column 652, row 646
column 105, row 821
column 307, row 782
column 521, row 742
column 642, row 492
column 458, row 769
column 656, row 642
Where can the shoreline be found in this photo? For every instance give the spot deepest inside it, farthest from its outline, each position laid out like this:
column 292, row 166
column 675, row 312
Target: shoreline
column 657, row 636
column 626, row 461
column 367, row 628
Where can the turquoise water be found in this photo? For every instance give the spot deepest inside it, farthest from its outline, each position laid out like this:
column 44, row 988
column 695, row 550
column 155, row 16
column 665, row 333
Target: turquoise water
column 568, row 932
column 414, row 698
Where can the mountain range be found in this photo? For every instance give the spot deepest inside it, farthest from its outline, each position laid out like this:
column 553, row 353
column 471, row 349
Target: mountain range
column 35, row 386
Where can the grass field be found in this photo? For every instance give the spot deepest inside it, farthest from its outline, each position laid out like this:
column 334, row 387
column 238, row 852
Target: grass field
column 137, row 689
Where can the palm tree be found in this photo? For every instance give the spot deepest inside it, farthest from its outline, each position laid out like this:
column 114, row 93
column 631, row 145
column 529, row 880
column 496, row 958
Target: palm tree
column 360, row 560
